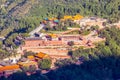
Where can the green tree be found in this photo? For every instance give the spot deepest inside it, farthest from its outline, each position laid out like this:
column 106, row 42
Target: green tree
column 45, row 64
column 1, row 44
column 94, row 28
column 31, row 68
column 28, row 53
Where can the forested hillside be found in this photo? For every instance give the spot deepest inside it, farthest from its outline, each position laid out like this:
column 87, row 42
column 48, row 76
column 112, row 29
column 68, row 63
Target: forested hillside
column 19, row 17
column 21, row 13
column 22, row 16
column 103, row 8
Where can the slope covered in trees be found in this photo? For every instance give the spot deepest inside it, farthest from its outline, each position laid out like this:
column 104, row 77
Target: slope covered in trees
column 100, row 63
column 17, row 10
column 103, row 8
column 26, row 14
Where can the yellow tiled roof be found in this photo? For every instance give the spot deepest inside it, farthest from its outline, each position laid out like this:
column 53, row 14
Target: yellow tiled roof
column 41, row 55
column 30, row 57
column 10, row 67
column 27, row 63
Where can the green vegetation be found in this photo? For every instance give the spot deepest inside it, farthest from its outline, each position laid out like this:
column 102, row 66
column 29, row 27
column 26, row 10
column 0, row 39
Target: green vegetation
column 28, row 53
column 22, row 16
column 74, row 32
column 70, row 7
column 4, row 54
column 63, row 62
column 1, row 43
column 55, row 26
column 61, row 25
column 85, row 32
column 110, row 48
column 99, row 63
column 44, row 64
column 94, row 28
column 30, row 69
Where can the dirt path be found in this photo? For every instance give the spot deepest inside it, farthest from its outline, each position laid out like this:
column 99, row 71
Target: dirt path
column 70, row 30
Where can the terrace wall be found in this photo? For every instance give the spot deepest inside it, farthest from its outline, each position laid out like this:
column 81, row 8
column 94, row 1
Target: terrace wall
column 36, row 43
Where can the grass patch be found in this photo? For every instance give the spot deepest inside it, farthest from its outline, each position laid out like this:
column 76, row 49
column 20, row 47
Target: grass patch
column 86, row 32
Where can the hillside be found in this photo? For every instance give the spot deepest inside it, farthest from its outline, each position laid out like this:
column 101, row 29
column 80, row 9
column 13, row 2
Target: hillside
column 64, row 39
column 99, row 63
column 15, row 9
column 22, row 16
column 103, row 8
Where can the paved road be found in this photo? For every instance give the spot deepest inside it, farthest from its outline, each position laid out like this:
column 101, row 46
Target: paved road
column 37, row 29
